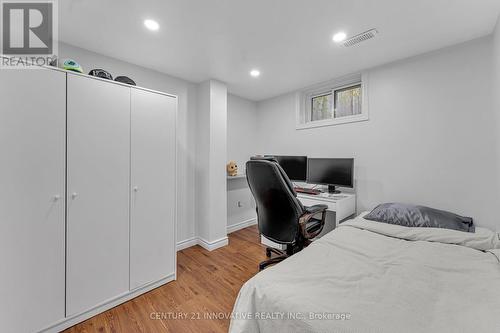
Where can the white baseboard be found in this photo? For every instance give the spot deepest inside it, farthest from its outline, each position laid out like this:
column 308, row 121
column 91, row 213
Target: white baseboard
column 241, row 225
column 187, row 243
column 80, row 317
column 210, row 246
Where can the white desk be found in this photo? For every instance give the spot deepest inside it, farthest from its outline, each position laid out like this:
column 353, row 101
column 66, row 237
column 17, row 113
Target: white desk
column 342, row 204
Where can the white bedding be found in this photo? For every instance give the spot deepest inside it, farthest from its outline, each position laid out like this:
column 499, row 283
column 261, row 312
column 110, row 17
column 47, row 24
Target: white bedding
column 373, row 277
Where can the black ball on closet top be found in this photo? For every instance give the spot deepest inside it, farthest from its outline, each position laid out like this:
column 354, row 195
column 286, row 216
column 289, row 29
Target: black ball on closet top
column 126, row 80
column 101, row 73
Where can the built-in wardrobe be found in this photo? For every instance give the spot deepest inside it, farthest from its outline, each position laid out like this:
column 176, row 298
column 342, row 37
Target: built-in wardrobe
column 87, row 196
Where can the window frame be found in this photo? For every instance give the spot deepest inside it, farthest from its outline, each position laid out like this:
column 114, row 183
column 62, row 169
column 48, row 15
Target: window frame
column 304, row 102
column 342, row 89
column 310, row 100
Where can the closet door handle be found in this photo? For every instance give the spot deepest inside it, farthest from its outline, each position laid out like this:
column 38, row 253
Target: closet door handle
column 56, row 198
column 136, row 189
column 74, row 195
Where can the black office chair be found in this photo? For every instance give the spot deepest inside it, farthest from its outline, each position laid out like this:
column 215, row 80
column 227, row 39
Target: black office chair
column 281, row 216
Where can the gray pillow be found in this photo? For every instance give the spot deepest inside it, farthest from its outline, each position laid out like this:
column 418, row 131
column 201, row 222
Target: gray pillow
column 419, row 216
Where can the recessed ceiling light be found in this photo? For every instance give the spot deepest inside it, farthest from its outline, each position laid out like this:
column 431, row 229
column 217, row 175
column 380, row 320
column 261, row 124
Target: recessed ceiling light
column 151, row 25
column 255, row 73
column 339, row 37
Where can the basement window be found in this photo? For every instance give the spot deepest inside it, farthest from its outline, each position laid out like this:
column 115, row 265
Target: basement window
column 336, row 102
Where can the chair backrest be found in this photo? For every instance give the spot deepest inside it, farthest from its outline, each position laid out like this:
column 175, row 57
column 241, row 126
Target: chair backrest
column 278, row 209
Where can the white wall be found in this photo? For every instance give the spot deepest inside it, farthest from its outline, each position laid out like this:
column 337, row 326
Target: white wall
column 241, row 130
column 186, row 92
column 218, row 158
column 201, row 163
column 496, row 88
column 241, row 145
column 496, row 64
column 430, row 137
column 211, row 151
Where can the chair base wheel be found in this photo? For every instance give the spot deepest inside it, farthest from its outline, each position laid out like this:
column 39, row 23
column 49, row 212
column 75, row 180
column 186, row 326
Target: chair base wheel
column 272, row 261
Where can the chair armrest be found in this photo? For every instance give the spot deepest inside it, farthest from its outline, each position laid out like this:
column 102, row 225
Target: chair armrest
column 308, row 217
column 316, row 209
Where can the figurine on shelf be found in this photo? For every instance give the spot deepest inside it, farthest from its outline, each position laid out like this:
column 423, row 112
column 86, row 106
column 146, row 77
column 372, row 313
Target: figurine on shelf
column 232, row 169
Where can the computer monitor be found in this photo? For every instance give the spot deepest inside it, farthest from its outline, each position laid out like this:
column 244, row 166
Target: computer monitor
column 294, row 166
column 331, row 171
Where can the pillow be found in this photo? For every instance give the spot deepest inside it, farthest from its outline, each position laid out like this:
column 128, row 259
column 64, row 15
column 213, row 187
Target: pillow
column 419, row 216
column 481, row 239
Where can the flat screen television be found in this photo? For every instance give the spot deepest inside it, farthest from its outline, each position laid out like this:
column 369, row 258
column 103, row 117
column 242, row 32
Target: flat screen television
column 331, row 171
column 294, row 166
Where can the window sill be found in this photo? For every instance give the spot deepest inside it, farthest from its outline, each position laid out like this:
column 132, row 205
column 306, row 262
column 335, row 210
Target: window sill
column 332, row 122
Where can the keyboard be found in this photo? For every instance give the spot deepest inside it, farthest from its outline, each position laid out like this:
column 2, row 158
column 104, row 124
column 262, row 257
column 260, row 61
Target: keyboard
column 307, row 190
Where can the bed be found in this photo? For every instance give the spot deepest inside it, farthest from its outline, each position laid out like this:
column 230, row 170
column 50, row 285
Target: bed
column 369, row 276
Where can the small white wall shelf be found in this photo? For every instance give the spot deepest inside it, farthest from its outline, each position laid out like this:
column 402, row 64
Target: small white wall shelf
column 237, row 176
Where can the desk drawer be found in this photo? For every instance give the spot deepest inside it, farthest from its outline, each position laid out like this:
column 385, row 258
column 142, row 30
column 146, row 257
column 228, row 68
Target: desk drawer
column 332, row 206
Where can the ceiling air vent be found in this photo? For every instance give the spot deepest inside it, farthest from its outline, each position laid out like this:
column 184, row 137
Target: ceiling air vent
column 360, row 38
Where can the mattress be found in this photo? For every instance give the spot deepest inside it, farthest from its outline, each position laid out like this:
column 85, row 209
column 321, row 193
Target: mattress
column 369, row 276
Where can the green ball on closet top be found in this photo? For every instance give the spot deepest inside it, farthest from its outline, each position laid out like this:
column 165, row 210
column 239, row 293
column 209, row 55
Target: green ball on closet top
column 71, row 65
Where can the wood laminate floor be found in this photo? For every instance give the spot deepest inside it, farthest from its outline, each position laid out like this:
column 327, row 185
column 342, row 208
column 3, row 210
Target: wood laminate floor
column 198, row 301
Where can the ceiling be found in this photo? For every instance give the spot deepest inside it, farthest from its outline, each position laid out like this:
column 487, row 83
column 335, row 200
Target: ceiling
column 289, row 41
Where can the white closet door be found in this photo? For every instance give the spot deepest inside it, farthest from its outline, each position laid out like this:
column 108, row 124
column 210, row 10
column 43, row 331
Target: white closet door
column 153, row 162
column 97, row 192
column 32, row 146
